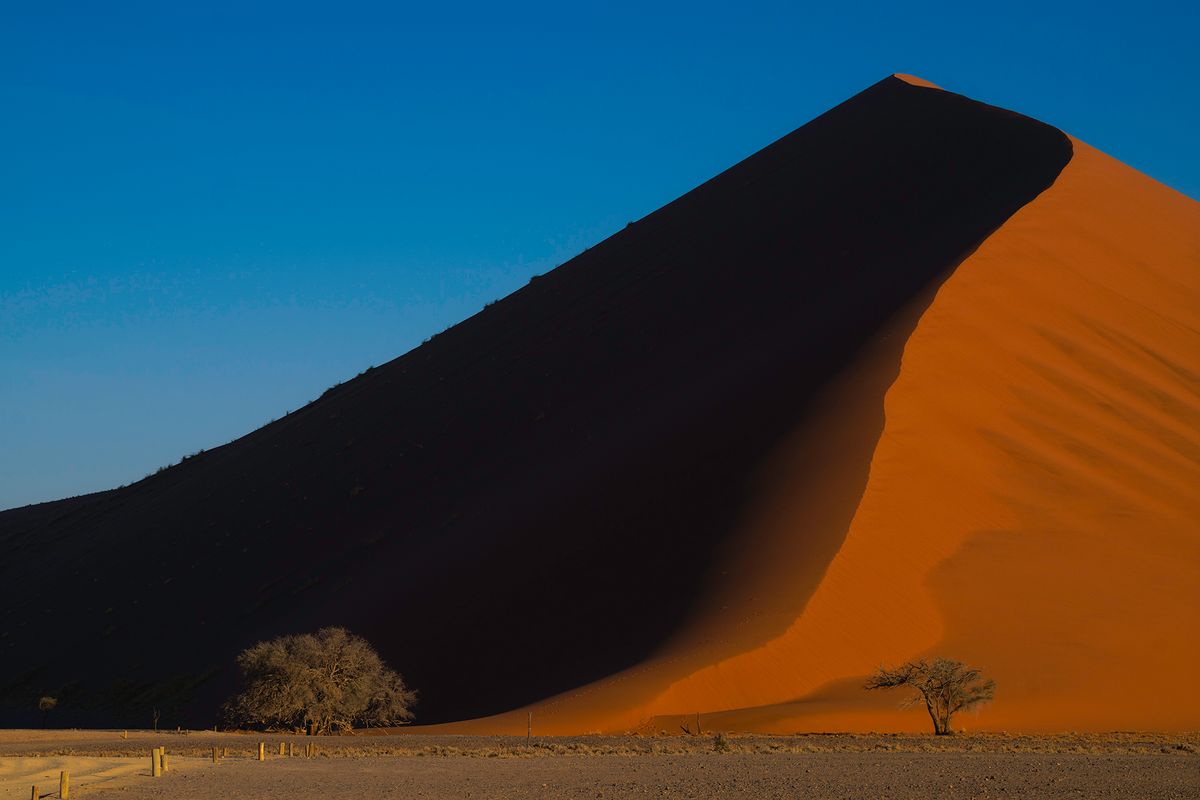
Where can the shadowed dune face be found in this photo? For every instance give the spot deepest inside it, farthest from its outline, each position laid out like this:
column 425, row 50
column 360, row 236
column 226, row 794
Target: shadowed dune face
column 640, row 465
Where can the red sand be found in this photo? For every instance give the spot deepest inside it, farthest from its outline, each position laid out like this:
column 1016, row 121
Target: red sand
column 915, row 81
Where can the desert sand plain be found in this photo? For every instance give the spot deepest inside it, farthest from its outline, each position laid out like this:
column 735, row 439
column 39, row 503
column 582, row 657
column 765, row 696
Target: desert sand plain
column 103, row 764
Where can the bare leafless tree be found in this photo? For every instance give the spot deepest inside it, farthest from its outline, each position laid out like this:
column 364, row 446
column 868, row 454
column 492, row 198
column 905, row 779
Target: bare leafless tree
column 328, row 681
column 944, row 685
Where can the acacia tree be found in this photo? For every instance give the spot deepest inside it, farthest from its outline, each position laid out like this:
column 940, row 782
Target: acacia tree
column 328, row 681
column 944, row 685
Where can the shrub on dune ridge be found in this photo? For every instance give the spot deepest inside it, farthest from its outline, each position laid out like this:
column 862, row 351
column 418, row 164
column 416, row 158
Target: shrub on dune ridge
column 320, row 683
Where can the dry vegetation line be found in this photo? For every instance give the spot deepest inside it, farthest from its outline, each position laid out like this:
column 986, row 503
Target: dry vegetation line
column 199, row 746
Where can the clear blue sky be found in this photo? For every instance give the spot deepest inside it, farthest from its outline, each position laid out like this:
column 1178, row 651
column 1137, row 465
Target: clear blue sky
column 209, row 214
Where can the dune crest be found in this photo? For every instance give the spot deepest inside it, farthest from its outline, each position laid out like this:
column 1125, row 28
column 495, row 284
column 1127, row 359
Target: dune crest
column 915, row 81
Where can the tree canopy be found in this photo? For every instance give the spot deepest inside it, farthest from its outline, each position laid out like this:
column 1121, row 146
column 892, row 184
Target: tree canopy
column 328, row 681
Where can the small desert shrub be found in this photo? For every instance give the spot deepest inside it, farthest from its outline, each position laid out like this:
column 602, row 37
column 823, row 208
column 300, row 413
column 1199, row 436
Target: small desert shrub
column 720, row 743
column 328, row 681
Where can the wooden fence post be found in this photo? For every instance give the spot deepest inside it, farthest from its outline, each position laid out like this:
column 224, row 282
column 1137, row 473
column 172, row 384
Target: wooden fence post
column 165, row 762
column 155, row 764
column 64, row 784
column 262, row 751
column 34, row 795
column 282, row 751
column 291, row 749
column 214, row 754
column 224, row 752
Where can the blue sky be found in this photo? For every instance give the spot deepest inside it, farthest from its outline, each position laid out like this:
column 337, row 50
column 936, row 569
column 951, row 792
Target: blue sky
column 211, row 212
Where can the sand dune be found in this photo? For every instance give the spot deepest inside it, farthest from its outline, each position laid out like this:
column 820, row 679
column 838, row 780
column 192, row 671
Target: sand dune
column 915, row 379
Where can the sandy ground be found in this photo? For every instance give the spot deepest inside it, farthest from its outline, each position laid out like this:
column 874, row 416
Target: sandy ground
column 102, row 763
column 825, row 775
column 88, row 773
